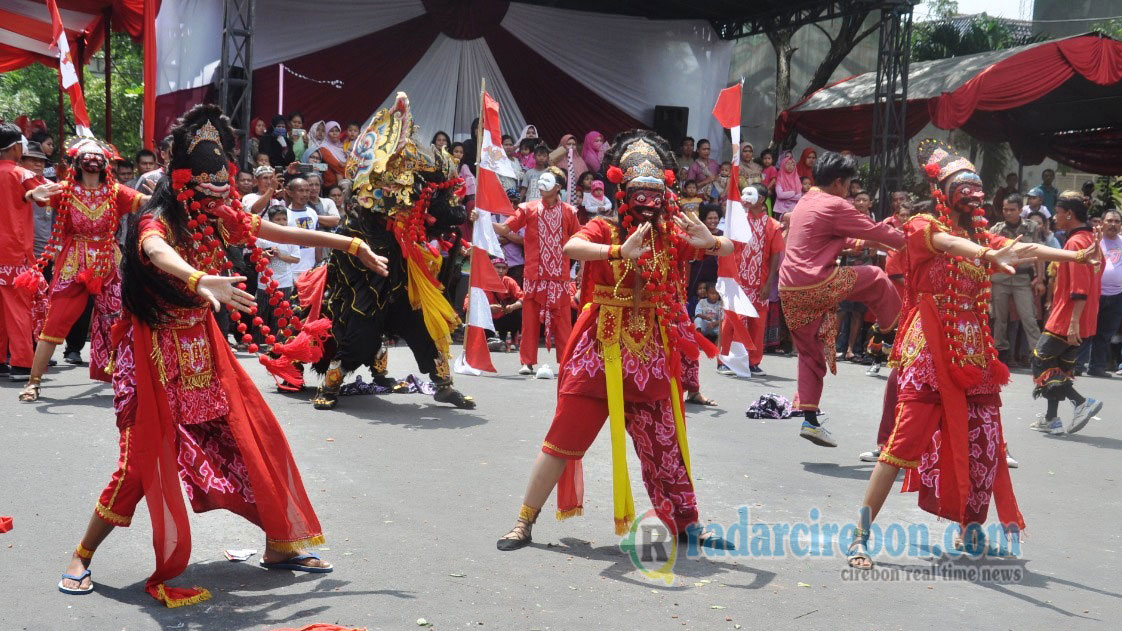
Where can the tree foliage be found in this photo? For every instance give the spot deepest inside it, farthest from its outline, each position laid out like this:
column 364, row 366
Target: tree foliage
column 33, row 91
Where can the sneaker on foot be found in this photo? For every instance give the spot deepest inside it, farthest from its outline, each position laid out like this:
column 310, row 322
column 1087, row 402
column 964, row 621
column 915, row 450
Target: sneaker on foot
column 1013, row 464
column 756, row 370
column 1056, row 427
column 1041, row 423
column 73, row 357
column 873, row 370
column 1083, row 414
column 818, row 435
column 870, row 456
column 544, row 372
column 15, row 373
column 724, row 370
column 526, row 369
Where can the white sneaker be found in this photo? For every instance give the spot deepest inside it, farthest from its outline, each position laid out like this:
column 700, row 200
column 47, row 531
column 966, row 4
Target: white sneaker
column 526, row 369
column 1056, row 427
column 818, row 435
column 544, row 372
column 1041, row 423
column 873, row 370
column 870, row 456
column 724, row 370
column 1083, row 414
column 1013, row 464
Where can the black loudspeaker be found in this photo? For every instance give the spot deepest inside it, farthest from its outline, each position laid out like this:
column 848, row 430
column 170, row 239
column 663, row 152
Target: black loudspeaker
column 671, row 122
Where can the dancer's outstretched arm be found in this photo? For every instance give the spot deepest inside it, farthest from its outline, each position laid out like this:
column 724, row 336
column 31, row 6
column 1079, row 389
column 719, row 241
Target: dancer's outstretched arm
column 315, row 239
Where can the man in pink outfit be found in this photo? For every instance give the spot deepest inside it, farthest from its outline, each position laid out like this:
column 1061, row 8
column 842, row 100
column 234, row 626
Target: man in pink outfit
column 811, row 285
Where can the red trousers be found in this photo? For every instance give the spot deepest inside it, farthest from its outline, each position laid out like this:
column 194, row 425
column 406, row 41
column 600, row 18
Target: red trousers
column 63, row 310
column 651, row 425
column 15, row 326
column 872, row 288
column 562, row 326
column 211, row 471
column 756, row 328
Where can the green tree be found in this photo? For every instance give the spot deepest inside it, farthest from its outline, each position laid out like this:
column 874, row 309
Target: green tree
column 1110, row 28
column 33, row 91
column 945, row 38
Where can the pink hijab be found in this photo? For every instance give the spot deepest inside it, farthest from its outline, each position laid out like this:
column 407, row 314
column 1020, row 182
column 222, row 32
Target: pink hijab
column 788, row 180
column 579, row 165
column 594, row 151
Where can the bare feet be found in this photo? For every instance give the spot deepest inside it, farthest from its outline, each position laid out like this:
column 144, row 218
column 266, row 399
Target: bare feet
column 75, row 568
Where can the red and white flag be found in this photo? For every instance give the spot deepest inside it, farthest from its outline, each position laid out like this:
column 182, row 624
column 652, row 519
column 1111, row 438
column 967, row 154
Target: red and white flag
column 67, row 73
column 735, row 339
column 490, row 197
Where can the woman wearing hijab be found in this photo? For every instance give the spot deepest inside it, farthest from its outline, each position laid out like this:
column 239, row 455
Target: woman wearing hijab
column 529, row 131
column 277, row 144
column 330, row 150
column 594, row 150
column 788, row 185
column 805, row 167
column 560, row 157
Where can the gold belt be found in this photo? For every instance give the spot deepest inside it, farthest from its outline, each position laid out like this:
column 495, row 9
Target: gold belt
column 609, row 296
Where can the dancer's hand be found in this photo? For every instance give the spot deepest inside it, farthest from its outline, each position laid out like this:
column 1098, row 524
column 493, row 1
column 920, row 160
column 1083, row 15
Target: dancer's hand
column 373, row 261
column 1073, row 338
column 1004, row 258
column 1093, row 253
column 697, row 234
column 221, row 290
column 634, row 246
column 42, row 193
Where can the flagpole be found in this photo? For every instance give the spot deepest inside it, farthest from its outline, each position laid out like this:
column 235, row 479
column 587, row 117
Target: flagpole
column 478, row 157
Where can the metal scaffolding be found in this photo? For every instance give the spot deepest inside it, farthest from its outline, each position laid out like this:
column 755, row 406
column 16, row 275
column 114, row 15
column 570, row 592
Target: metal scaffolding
column 235, row 72
column 889, row 158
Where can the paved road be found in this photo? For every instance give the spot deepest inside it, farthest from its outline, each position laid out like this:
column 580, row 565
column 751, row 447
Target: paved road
column 413, row 496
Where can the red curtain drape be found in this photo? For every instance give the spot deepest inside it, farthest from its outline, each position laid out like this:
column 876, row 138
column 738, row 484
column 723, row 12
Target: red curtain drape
column 1027, row 76
column 392, row 53
column 849, row 128
column 550, row 99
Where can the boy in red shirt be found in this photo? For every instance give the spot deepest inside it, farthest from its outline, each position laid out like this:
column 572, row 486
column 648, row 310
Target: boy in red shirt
column 549, row 223
column 506, row 306
column 1075, row 308
column 18, row 186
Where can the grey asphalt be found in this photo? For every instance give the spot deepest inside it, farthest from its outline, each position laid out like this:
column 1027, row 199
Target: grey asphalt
column 413, row 496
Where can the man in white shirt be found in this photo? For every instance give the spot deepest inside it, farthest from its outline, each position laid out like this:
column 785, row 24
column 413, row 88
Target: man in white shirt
column 300, row 215
column 262, row 198
column 1110, row 295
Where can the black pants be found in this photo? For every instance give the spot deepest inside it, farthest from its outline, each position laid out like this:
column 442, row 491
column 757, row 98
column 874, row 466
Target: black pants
column 359, row 339
column 509, row 323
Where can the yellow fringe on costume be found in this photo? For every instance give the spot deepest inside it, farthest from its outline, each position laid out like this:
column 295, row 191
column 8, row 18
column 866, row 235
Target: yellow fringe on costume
column 623, row 503
column 572, row 512
column 439, row 316
column 172, row 603
column 295, row 546
column 679, row 413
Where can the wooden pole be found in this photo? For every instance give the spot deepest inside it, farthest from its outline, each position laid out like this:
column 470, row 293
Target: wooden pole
column 478, row 156
column 108, row 74
column 59, row 144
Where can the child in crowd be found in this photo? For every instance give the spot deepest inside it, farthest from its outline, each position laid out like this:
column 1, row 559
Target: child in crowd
column 262, row 160
column 526, row 152
column 805, row 181
column 596, row 203
column 352, row 136
column 699, row 294
column 528, row 188
column 721, row 185
column 709, row 313
column 690, row 201
column 281, row 258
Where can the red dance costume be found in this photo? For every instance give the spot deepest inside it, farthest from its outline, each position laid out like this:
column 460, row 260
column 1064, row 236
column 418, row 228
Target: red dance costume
column 88, row 265
column 189, row 415
column 753, row 266
column 948, row 435
column 811, row 285
column 545, row 276
column 17, row 254
column 613, row 321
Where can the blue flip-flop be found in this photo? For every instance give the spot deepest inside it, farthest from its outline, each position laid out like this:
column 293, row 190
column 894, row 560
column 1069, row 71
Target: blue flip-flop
column 290, row 564
column 76, row 592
